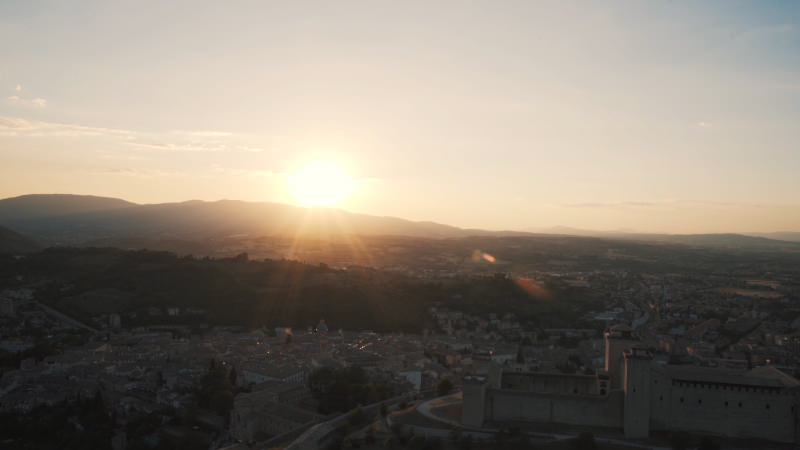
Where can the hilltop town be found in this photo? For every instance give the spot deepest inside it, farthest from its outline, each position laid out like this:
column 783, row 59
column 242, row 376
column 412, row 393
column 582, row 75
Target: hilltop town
column 175, row 371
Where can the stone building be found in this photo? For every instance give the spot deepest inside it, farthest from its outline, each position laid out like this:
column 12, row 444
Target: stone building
column 637, row 396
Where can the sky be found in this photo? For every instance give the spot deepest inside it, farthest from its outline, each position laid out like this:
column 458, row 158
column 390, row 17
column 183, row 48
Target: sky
column 653, row 116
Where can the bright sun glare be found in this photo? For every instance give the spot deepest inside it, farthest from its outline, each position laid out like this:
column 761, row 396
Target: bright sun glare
column 320, row 184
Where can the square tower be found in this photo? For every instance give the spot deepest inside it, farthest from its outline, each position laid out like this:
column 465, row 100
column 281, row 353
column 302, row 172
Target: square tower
column 636, row 415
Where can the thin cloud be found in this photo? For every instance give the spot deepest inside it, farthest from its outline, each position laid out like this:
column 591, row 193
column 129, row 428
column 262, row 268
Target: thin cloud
column 180, row 141
column 179, row 147
column 37, row 102
column 15, row 126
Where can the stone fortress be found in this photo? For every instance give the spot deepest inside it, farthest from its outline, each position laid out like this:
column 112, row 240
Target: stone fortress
column 637, row 396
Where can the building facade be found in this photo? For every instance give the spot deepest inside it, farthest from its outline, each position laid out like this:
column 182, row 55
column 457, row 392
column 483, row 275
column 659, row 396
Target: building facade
column 637, row 396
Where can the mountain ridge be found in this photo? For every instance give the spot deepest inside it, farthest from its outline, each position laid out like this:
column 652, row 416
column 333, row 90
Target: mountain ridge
column 66, row 219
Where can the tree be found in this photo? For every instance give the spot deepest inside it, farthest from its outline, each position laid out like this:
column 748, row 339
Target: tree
column 444, row 386
column 384, row 410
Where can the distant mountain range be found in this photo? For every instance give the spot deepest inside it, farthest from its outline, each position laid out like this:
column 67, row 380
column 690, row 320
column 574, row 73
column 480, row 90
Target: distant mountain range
column 792, row 236
column 68, row 219
column 60, row 219
column 707, row 239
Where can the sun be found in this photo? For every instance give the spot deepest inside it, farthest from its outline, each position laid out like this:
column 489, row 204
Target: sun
column 320, row 184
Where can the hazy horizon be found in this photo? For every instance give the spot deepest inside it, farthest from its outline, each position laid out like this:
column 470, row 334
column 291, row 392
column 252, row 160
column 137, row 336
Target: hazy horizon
column 557, row 229
column 676, row 117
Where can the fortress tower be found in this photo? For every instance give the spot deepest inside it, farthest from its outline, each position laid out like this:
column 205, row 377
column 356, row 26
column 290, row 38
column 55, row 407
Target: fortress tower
column 619, row 338
column 636, row 420
column 473, row 408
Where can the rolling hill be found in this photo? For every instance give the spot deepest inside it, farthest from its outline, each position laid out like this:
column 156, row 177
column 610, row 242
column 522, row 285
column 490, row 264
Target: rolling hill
column 61, row 219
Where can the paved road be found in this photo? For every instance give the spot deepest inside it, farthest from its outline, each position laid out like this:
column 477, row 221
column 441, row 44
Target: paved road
column 65, row 318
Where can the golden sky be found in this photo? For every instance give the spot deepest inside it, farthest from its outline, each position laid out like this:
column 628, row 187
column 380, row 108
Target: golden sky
column 651, row 116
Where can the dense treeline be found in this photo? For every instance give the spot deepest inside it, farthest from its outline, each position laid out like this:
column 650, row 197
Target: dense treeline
column 87, row 282
column 342, row 390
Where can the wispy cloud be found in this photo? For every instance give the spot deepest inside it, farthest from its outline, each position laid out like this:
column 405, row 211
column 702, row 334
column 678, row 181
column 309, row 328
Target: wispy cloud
column 138, row 172
column 15, row 126
column 37, row 102
column 178, row 147
column 174, row 141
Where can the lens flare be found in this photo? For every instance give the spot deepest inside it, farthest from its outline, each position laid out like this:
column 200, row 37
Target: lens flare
column 478, row 255
column 533, row 288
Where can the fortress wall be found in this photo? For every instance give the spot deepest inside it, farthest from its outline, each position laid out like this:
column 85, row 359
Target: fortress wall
column 600, row 411
column 551, row 383
column 702, row 408
column 660, row 408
